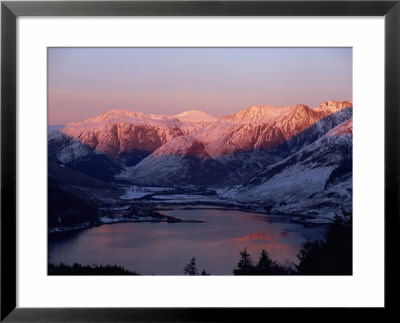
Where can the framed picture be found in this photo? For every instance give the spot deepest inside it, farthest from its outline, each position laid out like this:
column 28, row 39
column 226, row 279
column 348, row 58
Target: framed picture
column 154, row 151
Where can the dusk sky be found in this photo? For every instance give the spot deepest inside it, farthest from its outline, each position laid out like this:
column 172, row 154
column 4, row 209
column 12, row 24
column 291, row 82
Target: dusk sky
column 85, row 82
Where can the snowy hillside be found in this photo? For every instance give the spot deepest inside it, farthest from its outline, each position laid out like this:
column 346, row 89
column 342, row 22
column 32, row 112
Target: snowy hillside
column 316, row 179
column 182, row 161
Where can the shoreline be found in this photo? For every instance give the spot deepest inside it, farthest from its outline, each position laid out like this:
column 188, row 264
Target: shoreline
column 305, row 220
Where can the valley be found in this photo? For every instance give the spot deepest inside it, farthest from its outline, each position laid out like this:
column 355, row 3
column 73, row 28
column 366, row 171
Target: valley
column 121, row 166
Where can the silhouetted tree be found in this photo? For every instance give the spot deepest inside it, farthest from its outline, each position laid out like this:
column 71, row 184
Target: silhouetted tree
column 204, row 273
column 245, row 265
column 266, row 266
column 331, row 256
column 308, row 258
column 190, row 268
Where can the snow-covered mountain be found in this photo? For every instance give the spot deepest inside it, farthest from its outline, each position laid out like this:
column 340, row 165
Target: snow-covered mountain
column 193, row 147
column 195, row 116
column 317, row 179
column 118, row 139
column 265, row 127
column 243, row 143
column 181, row 161
column 117, row 131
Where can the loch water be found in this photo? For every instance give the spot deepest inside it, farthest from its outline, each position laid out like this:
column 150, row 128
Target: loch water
column 160, row 248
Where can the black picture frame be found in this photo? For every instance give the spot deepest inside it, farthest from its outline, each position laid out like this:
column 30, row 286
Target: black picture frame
column 10, row 10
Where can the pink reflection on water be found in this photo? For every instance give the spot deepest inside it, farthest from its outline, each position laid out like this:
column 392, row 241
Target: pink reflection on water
column 257, row 236
column 278, row 246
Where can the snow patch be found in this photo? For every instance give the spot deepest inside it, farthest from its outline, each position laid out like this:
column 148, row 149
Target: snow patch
column 135, row 192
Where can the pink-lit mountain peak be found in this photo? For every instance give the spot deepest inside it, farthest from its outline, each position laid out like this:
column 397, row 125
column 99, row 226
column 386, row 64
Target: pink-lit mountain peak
column 342, row 129
column 333, row 106
column 195, row 116
column 256, row 127
column 267, row 113
column 259, row 113
column 253, row 114
column 117, row 115
column 118, row 131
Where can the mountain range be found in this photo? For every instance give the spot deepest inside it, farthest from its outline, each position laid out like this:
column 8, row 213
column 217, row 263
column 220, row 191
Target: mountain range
column 282, row 157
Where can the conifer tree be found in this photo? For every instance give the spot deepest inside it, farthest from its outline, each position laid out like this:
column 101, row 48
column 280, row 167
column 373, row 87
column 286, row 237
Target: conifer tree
column 331, row 256
column 245, row 265
column 204, row 273
column 266, row 266
column 190, row 268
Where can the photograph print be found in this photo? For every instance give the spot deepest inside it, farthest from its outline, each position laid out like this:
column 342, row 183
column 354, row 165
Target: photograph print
column 200, row 161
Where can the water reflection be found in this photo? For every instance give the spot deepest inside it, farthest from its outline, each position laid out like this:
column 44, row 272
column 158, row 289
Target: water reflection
column 164, row 248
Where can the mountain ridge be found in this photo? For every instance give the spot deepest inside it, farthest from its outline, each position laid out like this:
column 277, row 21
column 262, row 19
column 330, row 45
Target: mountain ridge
column 243, row 143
